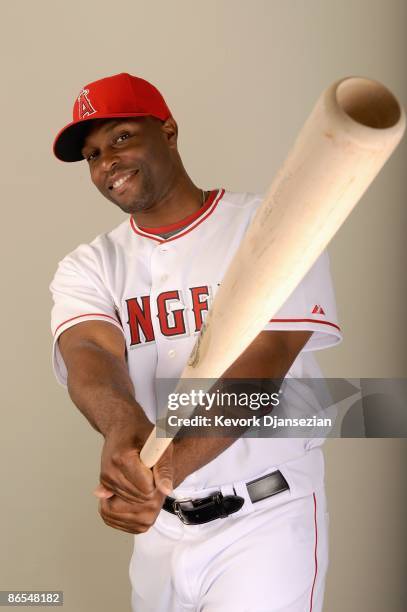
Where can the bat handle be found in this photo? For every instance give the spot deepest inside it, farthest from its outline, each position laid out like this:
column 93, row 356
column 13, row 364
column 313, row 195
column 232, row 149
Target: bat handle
column 153, row 448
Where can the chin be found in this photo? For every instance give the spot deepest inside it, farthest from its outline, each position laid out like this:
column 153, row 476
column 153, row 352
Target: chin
column 135, row 206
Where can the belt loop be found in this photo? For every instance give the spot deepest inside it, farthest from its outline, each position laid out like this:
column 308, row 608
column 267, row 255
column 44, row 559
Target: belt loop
column 228, row 489
column 239, row 488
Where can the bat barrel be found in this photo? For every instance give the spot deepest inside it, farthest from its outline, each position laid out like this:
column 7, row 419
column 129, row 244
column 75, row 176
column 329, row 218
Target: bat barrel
column 367, row 102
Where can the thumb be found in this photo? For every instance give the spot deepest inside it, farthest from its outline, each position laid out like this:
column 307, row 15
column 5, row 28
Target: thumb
column 163, row 474
column 102, row 492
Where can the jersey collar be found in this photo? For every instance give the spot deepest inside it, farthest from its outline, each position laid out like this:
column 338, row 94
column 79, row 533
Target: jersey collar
column 190, row 222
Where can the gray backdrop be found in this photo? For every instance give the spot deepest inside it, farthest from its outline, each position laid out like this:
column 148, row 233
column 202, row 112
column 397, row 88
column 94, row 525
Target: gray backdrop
column 240, row 78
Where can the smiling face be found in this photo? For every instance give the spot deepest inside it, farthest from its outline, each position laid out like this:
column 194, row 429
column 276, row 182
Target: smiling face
column 133, row 162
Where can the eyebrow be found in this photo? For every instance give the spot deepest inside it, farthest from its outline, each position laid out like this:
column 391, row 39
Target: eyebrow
column 109, row 129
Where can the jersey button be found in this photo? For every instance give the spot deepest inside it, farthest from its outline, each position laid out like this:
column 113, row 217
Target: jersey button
column 171, row 353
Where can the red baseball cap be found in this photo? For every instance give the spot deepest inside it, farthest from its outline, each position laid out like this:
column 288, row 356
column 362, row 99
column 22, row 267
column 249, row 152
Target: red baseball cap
column 120, row 95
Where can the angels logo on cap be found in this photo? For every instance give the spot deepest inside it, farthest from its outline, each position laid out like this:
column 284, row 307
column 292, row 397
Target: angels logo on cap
column 84, row 104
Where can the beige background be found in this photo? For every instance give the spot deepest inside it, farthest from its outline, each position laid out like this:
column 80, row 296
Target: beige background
column 240, row 78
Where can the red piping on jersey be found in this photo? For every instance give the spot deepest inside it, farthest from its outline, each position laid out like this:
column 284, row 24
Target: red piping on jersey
column 200, row 215
column 183, row 222
column 315, row 553
column 305, row 321
column 89, row 314
column 100, row 314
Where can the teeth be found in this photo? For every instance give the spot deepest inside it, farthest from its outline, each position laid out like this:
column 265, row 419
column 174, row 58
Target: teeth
column 120, row 181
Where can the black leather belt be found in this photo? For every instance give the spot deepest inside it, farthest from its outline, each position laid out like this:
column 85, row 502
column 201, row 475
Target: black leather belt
column 206, row 509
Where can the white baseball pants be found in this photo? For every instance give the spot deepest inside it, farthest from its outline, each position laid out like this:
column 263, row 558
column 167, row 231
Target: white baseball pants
column 274, row 558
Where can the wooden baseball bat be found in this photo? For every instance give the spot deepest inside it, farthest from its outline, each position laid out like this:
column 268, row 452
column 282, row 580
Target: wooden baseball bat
column 352, row 131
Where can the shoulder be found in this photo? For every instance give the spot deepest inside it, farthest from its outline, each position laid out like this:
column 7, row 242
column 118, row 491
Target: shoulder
column 239, row 207
column 242, row 200
column 97, row 253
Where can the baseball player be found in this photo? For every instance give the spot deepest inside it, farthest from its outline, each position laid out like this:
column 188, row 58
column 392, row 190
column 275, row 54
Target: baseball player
column 222, row 523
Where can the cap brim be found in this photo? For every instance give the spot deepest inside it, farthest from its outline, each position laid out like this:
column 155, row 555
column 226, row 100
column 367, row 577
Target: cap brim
column 69, row 142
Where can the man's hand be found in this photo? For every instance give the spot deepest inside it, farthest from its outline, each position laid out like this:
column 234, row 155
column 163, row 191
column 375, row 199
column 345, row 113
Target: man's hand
column 139, row 515
column 130, row 517
column 131, row 494
column 123, row 473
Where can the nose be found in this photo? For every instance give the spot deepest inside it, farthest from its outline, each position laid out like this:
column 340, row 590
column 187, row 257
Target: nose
column 108, row 159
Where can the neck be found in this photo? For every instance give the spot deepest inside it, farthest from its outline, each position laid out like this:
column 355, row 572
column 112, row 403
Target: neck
column 181, row 200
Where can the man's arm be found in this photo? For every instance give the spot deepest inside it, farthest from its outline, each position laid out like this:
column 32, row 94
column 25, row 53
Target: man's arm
column 269, row 356
column 99, row 384
column 94, row 353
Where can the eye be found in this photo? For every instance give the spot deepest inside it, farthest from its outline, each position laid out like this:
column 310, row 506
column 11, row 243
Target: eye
column 91, row 156
column 121, row 137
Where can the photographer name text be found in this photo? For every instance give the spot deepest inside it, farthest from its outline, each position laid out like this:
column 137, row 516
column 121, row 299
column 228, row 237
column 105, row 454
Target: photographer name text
column 252, row 421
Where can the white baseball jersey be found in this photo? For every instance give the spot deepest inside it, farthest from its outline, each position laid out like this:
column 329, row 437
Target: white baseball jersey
column 157, row 292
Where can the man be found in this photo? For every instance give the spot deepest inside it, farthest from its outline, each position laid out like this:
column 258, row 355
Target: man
column 127, row 310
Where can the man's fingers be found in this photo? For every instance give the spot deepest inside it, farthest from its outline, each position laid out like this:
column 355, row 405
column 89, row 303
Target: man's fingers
column 130, row 496
column 125, row 527
column 125, row 489
column 120, row 515
column 118, row 506
column 126, row 476
column 134, row 471
column 132, row 481
column 163, row 482
column 163, row 473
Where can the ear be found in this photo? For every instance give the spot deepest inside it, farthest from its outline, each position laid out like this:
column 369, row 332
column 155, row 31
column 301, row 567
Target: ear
column 170, row 131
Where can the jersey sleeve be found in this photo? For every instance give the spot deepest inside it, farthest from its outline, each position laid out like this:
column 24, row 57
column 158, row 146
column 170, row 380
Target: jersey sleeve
column 79, row 294
column 312, row 307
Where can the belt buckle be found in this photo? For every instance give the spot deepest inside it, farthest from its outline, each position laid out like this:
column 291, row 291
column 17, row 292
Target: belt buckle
column 178, row 510
column 215, row 499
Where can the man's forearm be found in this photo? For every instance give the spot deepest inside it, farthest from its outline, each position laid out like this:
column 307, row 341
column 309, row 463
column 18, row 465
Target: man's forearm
column 268, row 358
column 100, row 386
column 191, row 452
